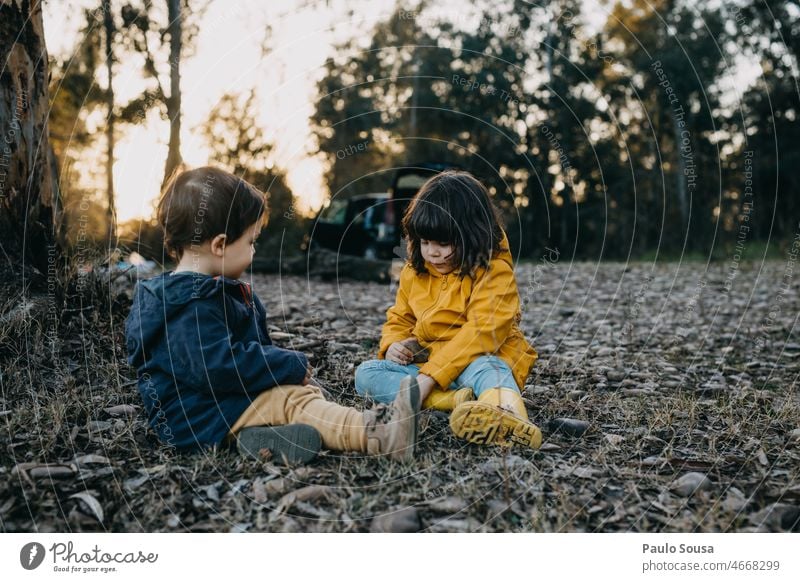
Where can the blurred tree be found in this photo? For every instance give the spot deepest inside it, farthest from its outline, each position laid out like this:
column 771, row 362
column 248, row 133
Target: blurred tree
column 668, row 52
column 89, row 220
column 422, row 90
column 606, row 140
column 238, row 145
column 768, row 122
column 143, row 35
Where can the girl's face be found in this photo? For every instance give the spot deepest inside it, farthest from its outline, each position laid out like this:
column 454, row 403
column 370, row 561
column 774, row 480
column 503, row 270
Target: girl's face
column 439, row 254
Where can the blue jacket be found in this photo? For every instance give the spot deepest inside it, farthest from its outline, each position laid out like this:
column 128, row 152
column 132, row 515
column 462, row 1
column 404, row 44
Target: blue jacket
column 202, row 353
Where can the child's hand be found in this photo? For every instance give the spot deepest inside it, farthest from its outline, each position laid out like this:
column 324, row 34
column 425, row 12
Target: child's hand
column 309, row 379
column 399, row 353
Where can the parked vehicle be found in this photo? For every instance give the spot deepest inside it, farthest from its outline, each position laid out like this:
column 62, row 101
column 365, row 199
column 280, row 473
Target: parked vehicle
column 369, row 225
column 359, row 226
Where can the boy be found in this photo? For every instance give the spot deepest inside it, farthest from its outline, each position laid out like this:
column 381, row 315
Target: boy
column 208, row 372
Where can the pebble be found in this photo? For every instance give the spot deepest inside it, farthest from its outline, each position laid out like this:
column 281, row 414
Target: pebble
column 778, row 517
column 635, row 392
column 549, row 447
column 613, row 439
column 734, row 500
column 52, row 472
column 448, row 505
column 568, row 426
column 616, row 375
column 688, row 484
column 402, row 521
column 122, row 410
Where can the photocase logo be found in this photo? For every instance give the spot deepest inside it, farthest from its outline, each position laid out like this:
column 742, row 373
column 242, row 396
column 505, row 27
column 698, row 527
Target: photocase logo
column 31, row 556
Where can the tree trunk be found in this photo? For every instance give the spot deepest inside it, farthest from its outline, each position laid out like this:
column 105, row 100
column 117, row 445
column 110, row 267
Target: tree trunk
column 680, row 182
column 29, row 205
column 174, row 101
column 108, row 22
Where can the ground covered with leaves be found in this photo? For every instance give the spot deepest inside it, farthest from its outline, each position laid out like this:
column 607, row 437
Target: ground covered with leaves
column 667, row 394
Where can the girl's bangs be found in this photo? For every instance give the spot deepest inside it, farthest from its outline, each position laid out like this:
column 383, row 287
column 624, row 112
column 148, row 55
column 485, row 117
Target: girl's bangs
column 432, row 222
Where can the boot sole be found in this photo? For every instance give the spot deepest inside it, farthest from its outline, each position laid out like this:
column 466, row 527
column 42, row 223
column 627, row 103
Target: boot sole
column 407, row 454
column 291, row 444
column 484, row 424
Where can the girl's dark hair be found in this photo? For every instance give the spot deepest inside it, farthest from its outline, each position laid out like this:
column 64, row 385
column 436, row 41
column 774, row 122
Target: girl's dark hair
column 454, row 207
column 197, row 205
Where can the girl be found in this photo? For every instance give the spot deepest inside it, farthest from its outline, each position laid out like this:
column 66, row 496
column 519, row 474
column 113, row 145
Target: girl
column 456, row 315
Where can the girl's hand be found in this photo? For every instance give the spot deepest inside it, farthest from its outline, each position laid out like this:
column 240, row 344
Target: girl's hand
column 399, row 353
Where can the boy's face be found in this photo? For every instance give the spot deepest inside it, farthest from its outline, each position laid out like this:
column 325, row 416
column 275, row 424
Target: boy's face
column 238, row 255
column 438, row 254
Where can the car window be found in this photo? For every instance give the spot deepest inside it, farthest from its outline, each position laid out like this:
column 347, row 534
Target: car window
column 335, row 213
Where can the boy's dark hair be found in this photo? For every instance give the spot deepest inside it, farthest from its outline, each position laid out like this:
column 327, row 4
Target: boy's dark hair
column 197, row 205
column 454, row 207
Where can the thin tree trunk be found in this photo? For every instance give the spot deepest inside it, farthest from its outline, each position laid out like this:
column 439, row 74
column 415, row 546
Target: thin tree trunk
column 108, row 21
column 174, row 101
column 29, row 205
column 680, row 182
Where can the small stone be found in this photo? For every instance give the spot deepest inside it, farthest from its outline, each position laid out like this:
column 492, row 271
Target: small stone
column 778, row 517
column 122, row 410
column 654, row 461
column 99, row 425
column 402, row 521
column 549, row 447
column 734, row 500
column 568, row 426
column 51, row 472
column 614, row 439
column 711, row 388
column 449, row 505
column 635, row 392
column 576, row 394
column 688, row 484
column 616, row 375
column 794, row 436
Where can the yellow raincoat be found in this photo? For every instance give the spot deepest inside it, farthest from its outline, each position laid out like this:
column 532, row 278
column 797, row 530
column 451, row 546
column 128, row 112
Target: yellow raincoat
column 460, row 320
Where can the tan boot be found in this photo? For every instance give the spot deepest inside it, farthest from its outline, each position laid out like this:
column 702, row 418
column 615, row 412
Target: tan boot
column 498, row 417
column 447, row 400
column 392, row 430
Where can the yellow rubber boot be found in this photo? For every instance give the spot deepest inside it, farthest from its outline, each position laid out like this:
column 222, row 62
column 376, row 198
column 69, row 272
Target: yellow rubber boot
column 497, row 417
column 447, row 400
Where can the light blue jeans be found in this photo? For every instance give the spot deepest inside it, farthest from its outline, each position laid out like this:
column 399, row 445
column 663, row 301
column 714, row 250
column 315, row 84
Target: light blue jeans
column 380, row 379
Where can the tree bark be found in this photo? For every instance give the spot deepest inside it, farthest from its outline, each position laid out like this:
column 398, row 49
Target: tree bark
column 108, row 24
column 29, row 204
